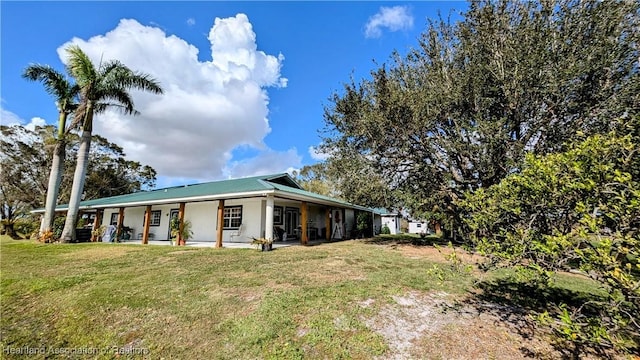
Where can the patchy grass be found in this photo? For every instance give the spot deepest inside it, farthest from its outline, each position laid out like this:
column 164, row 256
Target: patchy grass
column 335, row 300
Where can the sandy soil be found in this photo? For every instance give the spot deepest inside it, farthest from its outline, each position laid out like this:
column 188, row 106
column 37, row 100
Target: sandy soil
column 437, row 325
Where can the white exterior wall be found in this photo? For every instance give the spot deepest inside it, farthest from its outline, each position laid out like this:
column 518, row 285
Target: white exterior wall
column 203, row 217
column 160, row 232
column 252, row 220
column 416, row 227
column 134, row 218
column 393, row 222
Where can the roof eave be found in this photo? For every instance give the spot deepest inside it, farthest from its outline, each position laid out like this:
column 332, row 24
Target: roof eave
column 225, row 196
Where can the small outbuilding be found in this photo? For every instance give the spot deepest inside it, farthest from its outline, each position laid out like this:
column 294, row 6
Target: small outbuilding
column 418, row 227
column 391, row 219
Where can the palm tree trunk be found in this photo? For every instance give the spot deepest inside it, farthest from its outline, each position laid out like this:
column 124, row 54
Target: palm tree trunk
column 53, row 189
column 69, row 231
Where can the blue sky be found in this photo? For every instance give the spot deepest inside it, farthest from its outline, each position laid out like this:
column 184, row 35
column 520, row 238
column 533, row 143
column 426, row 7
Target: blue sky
column 245, row 82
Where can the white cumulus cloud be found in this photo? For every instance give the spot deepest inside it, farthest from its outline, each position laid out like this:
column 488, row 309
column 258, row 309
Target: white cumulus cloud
column 36, row 121
column 318, row 155
column 10, row 119
column 267, row 162
column 191, row 21
column 208, row 107
column 392, row 18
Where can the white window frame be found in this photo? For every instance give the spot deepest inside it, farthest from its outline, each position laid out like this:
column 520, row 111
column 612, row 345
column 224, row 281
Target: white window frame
column 232, row 217
column 155, row 215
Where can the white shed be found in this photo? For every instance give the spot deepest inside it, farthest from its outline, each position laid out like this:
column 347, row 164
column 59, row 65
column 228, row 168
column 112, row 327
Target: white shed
column 392, row 220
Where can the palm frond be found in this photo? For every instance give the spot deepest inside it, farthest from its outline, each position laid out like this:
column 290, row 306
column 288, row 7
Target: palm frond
column 121, row 96
column 106, row 86
column 111, row 67
column 102, row 107
column 55, row 83
column 142, row 82
column 125, row 77
column 80, row 66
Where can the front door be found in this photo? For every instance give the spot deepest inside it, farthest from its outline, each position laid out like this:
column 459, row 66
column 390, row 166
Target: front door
column 291, row 222
column 172, row 213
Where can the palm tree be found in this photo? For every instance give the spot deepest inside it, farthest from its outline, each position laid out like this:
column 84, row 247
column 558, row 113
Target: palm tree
column 100, row 88
column 65, row 93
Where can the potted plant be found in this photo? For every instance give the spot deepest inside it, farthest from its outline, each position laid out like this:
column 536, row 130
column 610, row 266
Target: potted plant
column 263, row 244
column 97, row 233
column 180, row 238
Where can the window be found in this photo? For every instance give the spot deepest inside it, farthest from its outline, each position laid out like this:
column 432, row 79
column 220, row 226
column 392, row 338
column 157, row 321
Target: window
column 277, row 215
column 419, row 225
column 114, row 219
column 155, row 217
column 232, row 217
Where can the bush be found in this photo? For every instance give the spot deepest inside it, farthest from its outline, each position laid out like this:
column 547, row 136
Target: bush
column 577, row 210
column 26, row 226
column 385, row 230
column 58, row 226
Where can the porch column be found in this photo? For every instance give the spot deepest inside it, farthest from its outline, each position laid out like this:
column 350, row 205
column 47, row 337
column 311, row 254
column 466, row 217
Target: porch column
column 220, row 223
column 147, row 222
column 373, row 224
column 96, row 224
column 268, row 232
column 327, row 224
column 303, row 219
column 181, row 219
column 344, row 224
column 120, row 224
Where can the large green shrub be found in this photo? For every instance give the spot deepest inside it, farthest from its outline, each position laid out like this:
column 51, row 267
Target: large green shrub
column 576, row 210
column 58, row 225
column 26, row 226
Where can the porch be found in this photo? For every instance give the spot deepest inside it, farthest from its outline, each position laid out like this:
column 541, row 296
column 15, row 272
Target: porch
column 228, row 245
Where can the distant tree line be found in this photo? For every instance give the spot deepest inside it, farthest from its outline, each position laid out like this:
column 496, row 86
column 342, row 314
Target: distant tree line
column 25, row 159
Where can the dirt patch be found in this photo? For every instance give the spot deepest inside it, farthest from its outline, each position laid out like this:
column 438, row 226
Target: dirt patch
column 431, row 326
column 402, row 323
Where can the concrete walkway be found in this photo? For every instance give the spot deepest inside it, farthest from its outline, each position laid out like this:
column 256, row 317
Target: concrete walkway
column 229, row 245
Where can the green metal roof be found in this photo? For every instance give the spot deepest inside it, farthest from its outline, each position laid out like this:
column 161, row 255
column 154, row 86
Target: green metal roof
column 323, row 198
column 385, row 211
column 281, row 184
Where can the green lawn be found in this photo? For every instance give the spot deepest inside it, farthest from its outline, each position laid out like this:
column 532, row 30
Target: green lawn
column 209, row 303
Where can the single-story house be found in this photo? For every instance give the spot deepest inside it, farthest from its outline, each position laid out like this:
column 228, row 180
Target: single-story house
column 272, row 207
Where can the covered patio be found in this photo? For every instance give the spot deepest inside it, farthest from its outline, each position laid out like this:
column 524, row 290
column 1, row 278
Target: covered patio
column 273, row 208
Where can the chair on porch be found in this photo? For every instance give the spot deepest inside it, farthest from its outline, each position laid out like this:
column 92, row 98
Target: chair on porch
column 279, row 234
column 237, row 233
column 151, row 236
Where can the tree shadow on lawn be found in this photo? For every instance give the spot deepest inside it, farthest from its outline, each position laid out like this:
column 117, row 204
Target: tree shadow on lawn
column 516, row 303
column 408, row 239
